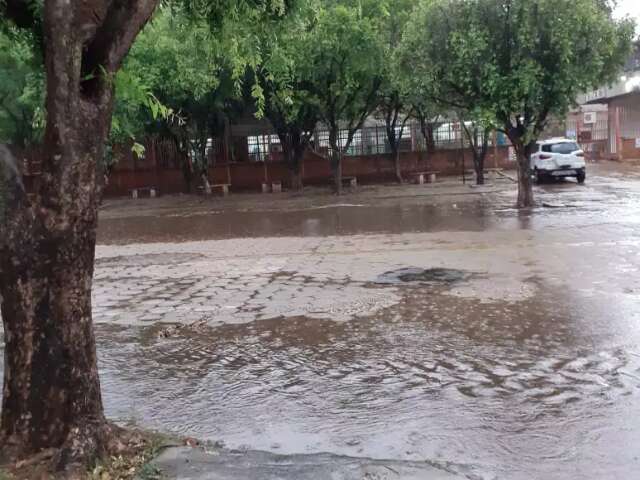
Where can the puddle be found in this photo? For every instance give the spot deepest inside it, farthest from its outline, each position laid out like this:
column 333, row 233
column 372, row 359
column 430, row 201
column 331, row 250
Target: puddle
column 424, row 276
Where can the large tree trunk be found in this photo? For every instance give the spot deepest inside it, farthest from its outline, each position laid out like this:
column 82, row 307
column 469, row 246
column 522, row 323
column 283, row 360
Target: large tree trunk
column 51, row 392
column 51, row 388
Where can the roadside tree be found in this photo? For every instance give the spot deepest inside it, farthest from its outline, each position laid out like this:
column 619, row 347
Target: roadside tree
column 521, row 60
column 289, row 104
column 51, row 392
column 395, row 106
column 342, row 68
column 478, row 126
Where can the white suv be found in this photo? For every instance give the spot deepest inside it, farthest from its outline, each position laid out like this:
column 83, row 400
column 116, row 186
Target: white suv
column 558, row 158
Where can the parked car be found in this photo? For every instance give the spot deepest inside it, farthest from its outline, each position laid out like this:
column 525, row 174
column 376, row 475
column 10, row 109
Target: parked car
column 558, row 158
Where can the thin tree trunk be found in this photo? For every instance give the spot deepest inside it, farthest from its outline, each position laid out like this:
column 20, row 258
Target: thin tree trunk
column 296, row 167
column 478, row 163
column 297, row 184
column 430, row 138
column 391, row 120
column 479, row 151
column 187, row 164
column 525, row 183
column 293, row 147
column 336, row 162
column 336, row 169
column 206, row 185
column 187, row 175
column 396, row 164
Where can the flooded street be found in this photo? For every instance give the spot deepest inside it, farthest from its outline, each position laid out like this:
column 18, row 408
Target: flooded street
column 407, row 324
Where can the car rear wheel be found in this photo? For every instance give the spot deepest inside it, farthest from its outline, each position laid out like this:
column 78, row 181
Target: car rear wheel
column 540, row 177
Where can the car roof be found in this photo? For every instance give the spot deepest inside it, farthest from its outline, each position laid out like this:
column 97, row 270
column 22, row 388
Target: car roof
column 556, row 140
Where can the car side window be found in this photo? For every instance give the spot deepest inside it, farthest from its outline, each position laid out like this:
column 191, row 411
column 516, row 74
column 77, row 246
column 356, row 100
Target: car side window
column 546, row 148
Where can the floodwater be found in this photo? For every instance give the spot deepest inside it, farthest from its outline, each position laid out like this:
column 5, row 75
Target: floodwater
column 497, row 344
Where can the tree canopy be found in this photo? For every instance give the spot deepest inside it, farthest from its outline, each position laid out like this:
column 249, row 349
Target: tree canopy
column 21, row 88
column 342, row 66
column 518, row 62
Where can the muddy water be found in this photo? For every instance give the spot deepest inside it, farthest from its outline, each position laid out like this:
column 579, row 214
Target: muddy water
column 541, row 385
column 609, row 197
column 329, row 220
column 537, row 389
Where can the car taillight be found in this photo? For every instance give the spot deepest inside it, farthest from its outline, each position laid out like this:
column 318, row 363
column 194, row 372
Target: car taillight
column 545, row 157
column 580, row 154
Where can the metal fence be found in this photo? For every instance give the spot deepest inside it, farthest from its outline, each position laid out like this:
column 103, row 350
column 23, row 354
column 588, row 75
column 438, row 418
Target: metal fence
column 593, row 137
column 371, row 140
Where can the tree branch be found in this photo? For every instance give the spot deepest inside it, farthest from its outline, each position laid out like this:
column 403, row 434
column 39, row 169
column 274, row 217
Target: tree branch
column 115, row 34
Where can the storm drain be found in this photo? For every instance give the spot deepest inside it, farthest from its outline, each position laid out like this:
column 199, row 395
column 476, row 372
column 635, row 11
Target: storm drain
column 424, row 276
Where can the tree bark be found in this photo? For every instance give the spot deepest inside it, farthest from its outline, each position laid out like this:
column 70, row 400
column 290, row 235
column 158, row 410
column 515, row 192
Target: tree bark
column 525, row 182
column 51, row 392
column 51, row 385
column 429, row 138
column 392, row 114
column 335, row 157
column 294, row 147
column 396, row 164
column 187, row 171
column 478, row 163
column 336, row 170
column 478, row 148
column 296, row 167
column 516, row 134
column 206, row 185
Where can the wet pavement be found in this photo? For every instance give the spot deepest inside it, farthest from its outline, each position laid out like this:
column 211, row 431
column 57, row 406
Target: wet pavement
column 194, row 464
column 409, row 326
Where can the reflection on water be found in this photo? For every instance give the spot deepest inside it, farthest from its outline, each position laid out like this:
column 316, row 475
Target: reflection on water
column 515, row 390
column 338, row 220
column 604, row 197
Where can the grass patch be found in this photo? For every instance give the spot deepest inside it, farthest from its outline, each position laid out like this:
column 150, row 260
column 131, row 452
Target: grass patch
column 134, row 463
column 136, row 450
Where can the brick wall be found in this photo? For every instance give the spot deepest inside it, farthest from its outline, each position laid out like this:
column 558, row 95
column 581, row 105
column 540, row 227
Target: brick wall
column 629, row 150
column 246, row 176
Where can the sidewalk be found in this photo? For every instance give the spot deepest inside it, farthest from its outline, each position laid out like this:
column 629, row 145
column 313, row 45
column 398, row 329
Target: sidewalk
column 186, row 463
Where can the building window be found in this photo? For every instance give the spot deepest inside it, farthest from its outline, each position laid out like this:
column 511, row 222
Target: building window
column 261, row 147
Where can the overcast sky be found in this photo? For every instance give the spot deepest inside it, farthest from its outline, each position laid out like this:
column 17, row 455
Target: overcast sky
column 629, row 7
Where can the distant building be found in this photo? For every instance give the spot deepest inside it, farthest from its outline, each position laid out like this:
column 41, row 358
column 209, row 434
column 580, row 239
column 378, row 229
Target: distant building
column 613, row 113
